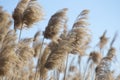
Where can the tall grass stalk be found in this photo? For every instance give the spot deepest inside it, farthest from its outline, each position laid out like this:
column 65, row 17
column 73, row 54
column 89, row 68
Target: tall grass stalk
column 65, row 72
column 39, row 59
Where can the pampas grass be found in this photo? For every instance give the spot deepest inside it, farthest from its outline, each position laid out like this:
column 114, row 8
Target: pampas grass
column 53, row 58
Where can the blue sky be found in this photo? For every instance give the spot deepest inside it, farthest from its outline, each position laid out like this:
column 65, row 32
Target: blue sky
column 104, row 15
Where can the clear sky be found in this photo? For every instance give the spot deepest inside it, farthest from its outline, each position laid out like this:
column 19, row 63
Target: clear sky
column 104, row 15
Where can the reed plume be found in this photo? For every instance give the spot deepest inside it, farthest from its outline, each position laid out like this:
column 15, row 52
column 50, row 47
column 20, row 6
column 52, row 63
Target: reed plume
column 103, row 40
column 7, row 45
column 43, row 70
column 24, row 51
column 58, row 55
column 7, row 61
column 25, row 54
column 5, row 18
column 95, row 57
column 5, row 24
column 32, row 14
column 55, row 24
column 111, row 52
column 18, row 13
column 80, row 36
column 103, row 69
column 8, row 57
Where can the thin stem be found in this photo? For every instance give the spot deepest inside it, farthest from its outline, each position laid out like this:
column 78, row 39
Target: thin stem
column 20, row 31
column 92, row 70
column 86, row 70
column 39, row 59
column 72, row 61
column 54, row 74
column 66, row 68
column 58, row 75
column 2, row 78
column 79, row 67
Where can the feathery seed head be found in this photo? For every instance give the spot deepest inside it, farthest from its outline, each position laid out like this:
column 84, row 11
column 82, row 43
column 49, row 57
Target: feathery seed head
column 103, row 40
column 56, row 23
column 80, row 36
column 95, row 56
column 18, row 13
column 111, row 52
column 32, row 14
column 57, row 57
